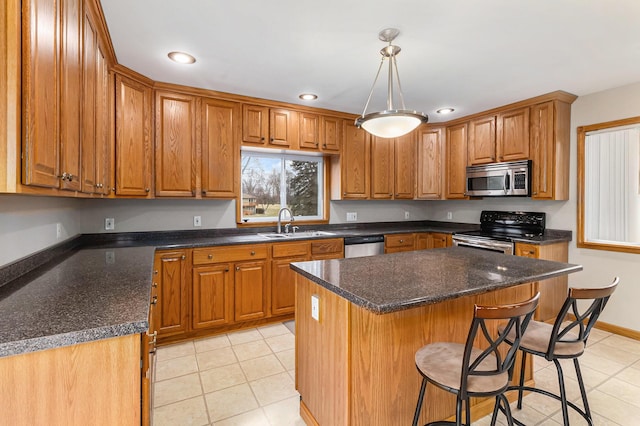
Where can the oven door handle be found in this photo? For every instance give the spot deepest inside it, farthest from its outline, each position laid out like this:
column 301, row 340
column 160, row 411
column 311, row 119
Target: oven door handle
column 504, row 246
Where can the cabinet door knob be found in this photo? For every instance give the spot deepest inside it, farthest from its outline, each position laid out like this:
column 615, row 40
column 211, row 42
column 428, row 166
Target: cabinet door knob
column 70, row 177
column 154, row 285
column 401, row 241
column 155, row 300
column 324, row 145
column 210, row 256
column 204, row 192
column 155, row 272
column 147, row 190
column 226, row 270
column 253, row 253
column 262, row 138
column 237, row 268
column 183, row 257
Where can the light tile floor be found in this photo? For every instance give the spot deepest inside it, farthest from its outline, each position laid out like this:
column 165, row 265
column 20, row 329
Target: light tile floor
column 246, row 378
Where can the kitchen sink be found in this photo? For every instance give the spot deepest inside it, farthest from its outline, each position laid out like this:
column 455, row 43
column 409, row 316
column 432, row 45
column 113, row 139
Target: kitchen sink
column 290, row 235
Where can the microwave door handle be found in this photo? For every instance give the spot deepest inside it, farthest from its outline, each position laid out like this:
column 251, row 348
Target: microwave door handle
column 504, row 182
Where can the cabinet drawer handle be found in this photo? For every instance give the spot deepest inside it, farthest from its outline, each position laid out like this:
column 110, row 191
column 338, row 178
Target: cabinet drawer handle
column 210, row 256
column 183, row 257
column 532, row 252
column 153, row 351
column 401, row 241
column 155, row 300
column 155, row 337
column 253, row 253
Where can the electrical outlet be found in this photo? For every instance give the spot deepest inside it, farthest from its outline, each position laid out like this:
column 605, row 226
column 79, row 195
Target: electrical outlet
column 58, row 231
column 110, row 257
column 197, row 221
column 449, row 215
column 109, row 224
column 315, row 307
column 352, row 216
column 407, row 215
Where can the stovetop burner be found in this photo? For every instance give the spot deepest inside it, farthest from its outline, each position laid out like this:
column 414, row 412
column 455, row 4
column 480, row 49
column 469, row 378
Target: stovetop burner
column 504, row 226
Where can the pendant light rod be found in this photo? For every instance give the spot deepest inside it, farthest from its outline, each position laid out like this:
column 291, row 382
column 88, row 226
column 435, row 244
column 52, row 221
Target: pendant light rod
column 391, row 122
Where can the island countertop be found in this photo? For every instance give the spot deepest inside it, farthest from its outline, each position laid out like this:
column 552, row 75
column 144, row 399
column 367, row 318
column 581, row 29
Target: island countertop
column 399, row 281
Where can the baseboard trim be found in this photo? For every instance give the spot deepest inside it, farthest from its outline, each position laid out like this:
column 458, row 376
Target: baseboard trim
column 616, row 329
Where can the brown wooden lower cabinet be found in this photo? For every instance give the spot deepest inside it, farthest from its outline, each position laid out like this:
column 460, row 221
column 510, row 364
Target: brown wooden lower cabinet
column 553, row 291
column 212, row 296
column 396, row 243
column 283, row 285
column 250, row 295
column 172, row 273
column 431, row 240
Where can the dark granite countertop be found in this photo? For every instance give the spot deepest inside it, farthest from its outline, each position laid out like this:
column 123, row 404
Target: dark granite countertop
column 97, row 286
column 394, row 282
column 91, row 294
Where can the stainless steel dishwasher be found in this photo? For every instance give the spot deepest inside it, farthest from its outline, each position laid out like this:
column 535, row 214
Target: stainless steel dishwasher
column 370, row 245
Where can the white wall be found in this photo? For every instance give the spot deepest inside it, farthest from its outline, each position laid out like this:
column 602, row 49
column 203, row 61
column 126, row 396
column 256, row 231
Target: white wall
column 28, row 224
column 156, row 215
column 379, row 211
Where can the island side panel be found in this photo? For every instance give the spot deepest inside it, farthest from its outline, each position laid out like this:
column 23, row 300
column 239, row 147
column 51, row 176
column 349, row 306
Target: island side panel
column 94, row 383
column 384, row 379
column 322, row 355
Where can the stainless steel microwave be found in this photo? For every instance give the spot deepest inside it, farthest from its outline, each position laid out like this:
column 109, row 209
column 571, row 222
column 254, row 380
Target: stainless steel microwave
column 511, row 179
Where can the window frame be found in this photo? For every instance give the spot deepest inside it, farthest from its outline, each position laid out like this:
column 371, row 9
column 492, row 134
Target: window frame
column 324, row 185
column 581, row 240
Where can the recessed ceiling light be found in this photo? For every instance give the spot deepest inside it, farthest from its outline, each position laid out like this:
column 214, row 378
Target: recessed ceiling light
column 181, row 57
column 445, row 110
column 308, row 97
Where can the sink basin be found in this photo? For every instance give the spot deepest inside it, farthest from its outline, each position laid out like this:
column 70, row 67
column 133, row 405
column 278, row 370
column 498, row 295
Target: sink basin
column 300, row 234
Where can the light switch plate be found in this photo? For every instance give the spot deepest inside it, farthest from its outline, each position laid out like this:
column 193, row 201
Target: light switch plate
column 315, row 307
column 352, row 216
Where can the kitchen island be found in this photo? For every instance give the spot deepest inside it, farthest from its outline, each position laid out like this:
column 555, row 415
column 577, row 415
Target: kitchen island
column 355, row 363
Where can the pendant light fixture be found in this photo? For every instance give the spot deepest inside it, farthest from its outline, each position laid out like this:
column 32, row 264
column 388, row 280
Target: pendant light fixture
column 391, row 122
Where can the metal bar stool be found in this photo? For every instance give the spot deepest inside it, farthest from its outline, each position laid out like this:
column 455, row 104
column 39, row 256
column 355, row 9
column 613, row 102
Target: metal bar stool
column 467, row 371
column 565, row 339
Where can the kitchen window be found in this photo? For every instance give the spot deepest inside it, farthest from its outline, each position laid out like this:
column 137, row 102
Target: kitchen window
column 271, row 181
column 609, row 186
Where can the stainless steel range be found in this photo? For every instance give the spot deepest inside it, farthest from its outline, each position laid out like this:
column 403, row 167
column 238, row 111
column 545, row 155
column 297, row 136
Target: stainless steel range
column 498, row 230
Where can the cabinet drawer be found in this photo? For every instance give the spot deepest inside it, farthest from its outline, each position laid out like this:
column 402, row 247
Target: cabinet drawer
column 299, row 248
column 229, row 254
column 528, row 250
column 334, row 245
column 398, row 240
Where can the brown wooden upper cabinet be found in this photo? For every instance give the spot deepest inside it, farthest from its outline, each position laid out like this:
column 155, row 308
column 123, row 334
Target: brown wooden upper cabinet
column 175, row 147
column 133, row 160
column 550, row 132
column 264, row 126
column 197, row 150
column 513, row 135
column 482, row 141
column 65, row 88
column 430, row 163
column 220, row 163
column 355, row 165
column 456, row 161
column 331, row 134
column 392, row 167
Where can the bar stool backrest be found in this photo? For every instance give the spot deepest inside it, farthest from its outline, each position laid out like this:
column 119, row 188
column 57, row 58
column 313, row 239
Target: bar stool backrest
column 518, row 316
column 579, row 323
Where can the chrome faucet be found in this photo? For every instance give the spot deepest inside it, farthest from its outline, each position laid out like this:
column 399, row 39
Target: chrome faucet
column 280, row 218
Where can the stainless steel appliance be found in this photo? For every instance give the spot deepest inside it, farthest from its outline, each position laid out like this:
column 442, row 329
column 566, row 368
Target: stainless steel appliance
column 499, row 228
column 370, row 245
column 512, row 179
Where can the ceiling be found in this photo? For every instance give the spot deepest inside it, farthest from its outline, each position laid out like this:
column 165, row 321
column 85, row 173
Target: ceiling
column 469, row 55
